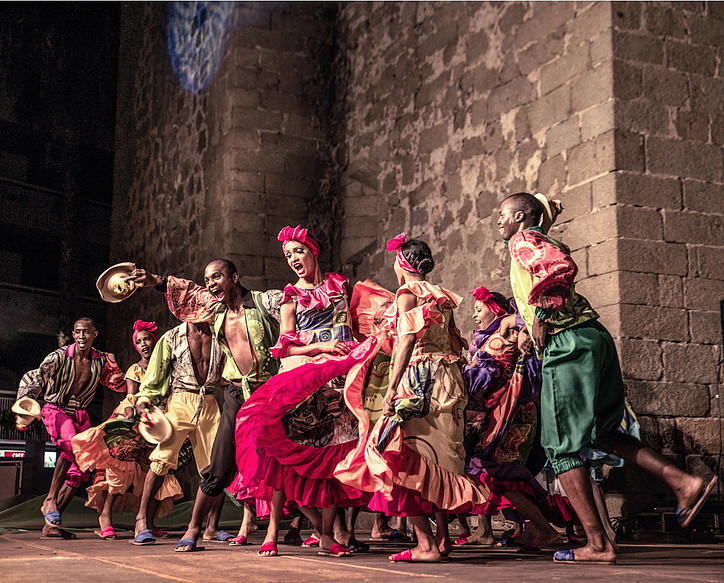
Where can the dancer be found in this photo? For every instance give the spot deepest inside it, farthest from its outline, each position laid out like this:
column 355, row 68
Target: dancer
column 414, row 457
column 582, row 400
column 120, row 456
column 69, row 376
column 503, row 384
column 246, row 326
column 309, row 429
column 185, row 368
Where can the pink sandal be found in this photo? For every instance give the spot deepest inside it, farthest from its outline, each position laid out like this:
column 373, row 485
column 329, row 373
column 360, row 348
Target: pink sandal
column 403, row 557
column 312, row 541
column 108, row 533
column 462, row 539
column 271, row 547
column 336, row 550
column 158, row 533
column 238, row 541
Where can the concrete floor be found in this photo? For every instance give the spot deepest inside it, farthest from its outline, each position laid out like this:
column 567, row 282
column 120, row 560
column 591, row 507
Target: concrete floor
column 27, row 558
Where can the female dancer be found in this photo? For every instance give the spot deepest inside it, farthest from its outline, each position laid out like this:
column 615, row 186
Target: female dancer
column 414, row 456
column 119, row 455
column 503, row 384
column 298, row 421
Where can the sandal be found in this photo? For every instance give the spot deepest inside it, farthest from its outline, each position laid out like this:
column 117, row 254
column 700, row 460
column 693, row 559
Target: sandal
column 158, row 533
column 107, row 533
column 312, row 541
column 685, row 516
column 187, row 542
column 221, row 537
column 238, row 541
column 269, row 547
column 356, row 546
column 336, row 550
column 144, row 538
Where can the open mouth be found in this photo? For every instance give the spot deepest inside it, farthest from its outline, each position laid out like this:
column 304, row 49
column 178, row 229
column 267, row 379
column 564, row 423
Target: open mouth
column 298, row 267
column 217, row 293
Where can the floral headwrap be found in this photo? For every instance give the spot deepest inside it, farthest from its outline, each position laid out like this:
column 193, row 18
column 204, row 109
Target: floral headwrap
column 141, row 326
column 484, row 295
column 394, row 244
column 551, row 210
column 300, row 235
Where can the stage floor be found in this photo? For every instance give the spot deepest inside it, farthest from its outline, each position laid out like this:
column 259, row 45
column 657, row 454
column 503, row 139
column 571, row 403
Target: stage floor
column 26, row 557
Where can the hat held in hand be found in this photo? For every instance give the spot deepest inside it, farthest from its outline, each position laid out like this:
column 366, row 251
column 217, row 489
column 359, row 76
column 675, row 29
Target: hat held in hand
column 114, row 285
column 27, row 410
column 154, row 426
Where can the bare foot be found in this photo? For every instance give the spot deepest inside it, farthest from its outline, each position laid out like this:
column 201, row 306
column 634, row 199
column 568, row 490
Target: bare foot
column 547, row 538
column 589, row 554
column 269, row 552
column 380, row 534
column 418, row 555
column 140, row 525
column 689, row 491
column 444, row 545
column 480, row 537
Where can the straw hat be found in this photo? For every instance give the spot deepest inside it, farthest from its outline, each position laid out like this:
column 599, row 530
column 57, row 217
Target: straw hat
column 113, row 284
column 154, row 426
column 27, row 410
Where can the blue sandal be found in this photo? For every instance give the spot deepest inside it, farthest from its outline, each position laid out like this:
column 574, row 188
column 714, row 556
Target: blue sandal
column 187, row 542
column 221, row 537
column 145, row 537
column 567, row 558
column 52, row 518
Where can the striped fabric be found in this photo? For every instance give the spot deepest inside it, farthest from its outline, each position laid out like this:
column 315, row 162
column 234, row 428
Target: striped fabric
column 56, row 374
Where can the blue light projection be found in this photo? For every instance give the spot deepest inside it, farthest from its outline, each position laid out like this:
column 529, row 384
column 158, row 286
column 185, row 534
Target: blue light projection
column 197, row 34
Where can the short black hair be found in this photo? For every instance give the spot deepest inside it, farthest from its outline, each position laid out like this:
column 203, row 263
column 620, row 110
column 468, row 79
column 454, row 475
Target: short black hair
column 86, row 319
column 226, row 265
column 418, row 254
column 526, row 202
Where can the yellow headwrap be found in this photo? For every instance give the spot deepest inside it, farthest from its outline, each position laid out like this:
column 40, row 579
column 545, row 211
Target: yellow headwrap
column 551, row 210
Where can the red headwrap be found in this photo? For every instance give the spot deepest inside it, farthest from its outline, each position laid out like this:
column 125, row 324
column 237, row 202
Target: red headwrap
column 300, row 235
column 140, row 325
column 484, row 295
column 394, row 244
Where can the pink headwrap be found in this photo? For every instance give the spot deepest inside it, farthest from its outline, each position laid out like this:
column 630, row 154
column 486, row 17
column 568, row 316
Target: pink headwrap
column 394, row 244
column 140, row 326
column 484, row 295
column 300, row 235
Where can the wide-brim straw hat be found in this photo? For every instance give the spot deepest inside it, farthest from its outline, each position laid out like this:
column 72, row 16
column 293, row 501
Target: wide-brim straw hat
column 154, row 426
column 113, row 283
column 27, row 410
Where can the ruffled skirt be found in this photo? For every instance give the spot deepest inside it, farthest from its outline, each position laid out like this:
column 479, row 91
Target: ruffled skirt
column 420, row 469
column 119, row 457
column 291, row 434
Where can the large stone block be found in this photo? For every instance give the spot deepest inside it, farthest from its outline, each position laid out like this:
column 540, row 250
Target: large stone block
column 646, row 190
column 641, row 223
column 639, row 288
column 564, row 68
column 627, row 15
column 600, row 290
column 641, row 359
column 707, row 95
column 635, row 47
column 598, row 120
column 709, row 262
column 652, row 256
column 645, row 117
column 562, row 137
column 671, row 291
column 592, row 87
column 550, row 109
column 694, row 363
column 704, row 197
column 700, row 436
column 700, row 60
column 590, row 22
column 627, row 79
column 654, row 323
column 684, row 159
column 666, row 21
column 589, row 159
column 603, row 258
column 691, row 227
column 703, row 294
column 671, row 399
column 705, row 327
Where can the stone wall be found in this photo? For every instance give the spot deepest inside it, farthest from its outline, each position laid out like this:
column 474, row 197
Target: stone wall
column 668, row 195
column 613, row 108
column 200, row 176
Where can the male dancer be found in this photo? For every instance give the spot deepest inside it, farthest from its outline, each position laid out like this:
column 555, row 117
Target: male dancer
column 246, row 324
column 582, row 399
column 69, row 376
column 185, row 366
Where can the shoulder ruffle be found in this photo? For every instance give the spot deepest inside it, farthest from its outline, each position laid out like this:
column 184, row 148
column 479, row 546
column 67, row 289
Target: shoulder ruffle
column 424, row 315
column 319, row 297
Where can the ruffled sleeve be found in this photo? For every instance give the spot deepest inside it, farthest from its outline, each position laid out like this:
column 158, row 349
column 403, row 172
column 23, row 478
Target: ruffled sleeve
column 135, row 373
column 288, row 339
column 190, row 302
column 318, row 297
column 424, row 315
